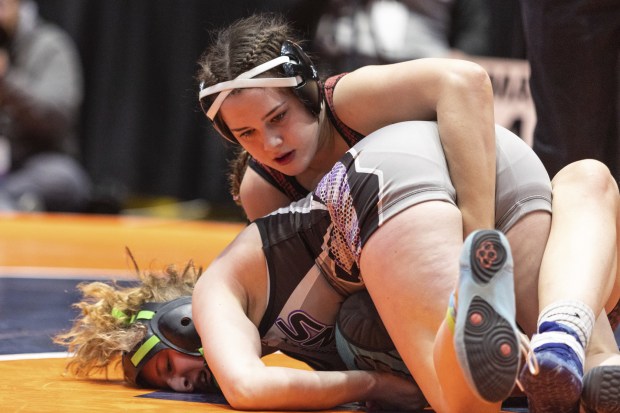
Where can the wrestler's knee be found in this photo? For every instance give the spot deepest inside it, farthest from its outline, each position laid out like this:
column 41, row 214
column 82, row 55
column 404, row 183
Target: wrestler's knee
column 589, row 177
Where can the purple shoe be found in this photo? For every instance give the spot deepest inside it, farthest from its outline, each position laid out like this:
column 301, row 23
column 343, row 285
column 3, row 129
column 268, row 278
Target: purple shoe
column 556, row 388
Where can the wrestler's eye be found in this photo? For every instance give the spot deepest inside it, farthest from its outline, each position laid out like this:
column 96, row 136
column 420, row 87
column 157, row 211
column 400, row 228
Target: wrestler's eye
column 168, row 365
column 245, row 134
column 278, row 117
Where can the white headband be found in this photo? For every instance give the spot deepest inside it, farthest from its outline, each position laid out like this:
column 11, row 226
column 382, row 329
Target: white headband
column 244, row 80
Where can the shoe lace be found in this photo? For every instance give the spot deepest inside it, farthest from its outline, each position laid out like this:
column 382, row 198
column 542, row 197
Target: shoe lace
column 530, row 357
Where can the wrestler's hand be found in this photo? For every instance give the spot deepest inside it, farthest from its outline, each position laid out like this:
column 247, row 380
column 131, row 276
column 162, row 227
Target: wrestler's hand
column 396, row 393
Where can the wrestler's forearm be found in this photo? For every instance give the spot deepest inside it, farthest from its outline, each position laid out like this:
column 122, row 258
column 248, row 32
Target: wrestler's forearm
column 466, row 127
column 281, row 388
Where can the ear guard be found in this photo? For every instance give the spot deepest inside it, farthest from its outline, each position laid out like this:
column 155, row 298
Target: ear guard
column 169, row 326
column 309, row 90
column 300, row 74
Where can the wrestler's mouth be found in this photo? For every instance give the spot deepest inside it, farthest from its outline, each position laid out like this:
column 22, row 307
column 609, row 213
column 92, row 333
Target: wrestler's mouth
column 285, row 159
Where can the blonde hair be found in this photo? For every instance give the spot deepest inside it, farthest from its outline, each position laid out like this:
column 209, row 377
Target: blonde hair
column 99, row 336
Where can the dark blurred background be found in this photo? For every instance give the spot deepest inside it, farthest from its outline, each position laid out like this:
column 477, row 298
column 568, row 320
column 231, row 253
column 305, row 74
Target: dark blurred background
column 142, row 134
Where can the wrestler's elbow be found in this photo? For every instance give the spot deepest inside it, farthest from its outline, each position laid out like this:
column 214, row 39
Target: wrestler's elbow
column 469, row 81
column 247, row 394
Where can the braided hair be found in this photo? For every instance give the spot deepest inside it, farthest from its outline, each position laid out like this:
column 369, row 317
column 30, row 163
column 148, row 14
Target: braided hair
column 242, row 46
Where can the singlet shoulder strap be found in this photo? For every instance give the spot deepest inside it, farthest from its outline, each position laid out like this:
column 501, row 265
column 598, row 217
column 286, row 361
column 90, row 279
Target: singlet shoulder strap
column 350, row 136
column 288, row 185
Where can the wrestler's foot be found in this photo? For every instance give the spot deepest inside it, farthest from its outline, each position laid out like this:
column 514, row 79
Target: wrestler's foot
column 556, row 387
column 601, row 390
column 485, row 333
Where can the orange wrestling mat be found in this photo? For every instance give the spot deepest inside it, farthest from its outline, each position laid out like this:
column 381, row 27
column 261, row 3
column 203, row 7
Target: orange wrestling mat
column 38, row 385
column 42, row 258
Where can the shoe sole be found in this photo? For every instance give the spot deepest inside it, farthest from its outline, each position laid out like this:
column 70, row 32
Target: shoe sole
column 488, row 340
column 601, row 390
column 555, row 389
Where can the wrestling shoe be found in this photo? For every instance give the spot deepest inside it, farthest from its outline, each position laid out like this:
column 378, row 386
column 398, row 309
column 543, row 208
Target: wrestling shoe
column 556, row 387
column 486, row 338
column 601, row 390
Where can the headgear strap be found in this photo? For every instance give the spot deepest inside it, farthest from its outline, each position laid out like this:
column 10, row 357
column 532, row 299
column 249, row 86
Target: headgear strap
column 245, row 80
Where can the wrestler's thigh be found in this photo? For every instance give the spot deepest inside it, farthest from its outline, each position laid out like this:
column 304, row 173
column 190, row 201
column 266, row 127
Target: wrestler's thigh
column 528, row 239
column 410, row 267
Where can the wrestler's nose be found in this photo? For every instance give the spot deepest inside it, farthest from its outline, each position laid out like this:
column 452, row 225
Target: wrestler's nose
column 272, row 140
column 180, row 384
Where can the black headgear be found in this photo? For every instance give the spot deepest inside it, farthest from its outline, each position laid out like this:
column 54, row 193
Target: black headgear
column 309, row 90
column 169, row 326
column 300, row 74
